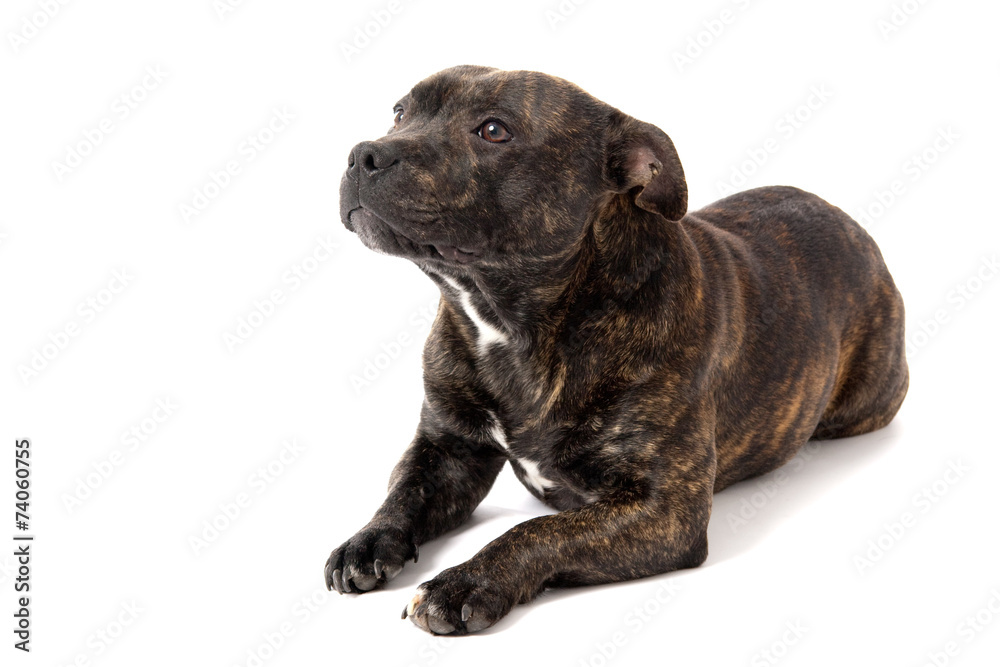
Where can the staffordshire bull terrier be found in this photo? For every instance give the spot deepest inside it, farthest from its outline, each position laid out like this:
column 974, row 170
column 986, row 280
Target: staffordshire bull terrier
column 627, row 358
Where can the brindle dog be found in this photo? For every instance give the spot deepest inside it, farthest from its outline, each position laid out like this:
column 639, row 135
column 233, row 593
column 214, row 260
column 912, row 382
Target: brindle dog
column 628, row 360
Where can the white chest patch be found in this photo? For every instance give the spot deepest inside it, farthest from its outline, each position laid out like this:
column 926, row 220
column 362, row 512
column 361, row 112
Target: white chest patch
column 488, row 334
column 496, row 430
column 533, row 477
column 531, row 473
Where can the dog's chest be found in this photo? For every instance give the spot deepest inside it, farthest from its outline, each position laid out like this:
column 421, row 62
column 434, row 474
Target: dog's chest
column 527, row 468
column 533, row 440
column 532, row 455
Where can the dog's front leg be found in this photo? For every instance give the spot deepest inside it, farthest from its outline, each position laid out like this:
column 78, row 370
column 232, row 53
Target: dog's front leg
column 435, row 487
column 654, row 523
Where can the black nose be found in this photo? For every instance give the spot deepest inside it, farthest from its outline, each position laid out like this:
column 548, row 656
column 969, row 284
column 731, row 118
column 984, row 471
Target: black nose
column 371, row 157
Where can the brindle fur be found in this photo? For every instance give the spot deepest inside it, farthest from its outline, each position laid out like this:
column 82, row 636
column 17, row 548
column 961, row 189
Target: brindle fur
column 650, row 358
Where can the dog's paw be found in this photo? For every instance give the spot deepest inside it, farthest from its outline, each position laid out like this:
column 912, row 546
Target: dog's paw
column 369, row 559
column 457, row 602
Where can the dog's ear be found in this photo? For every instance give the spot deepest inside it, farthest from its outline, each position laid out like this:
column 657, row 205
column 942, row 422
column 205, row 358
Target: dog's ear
column 641, row 157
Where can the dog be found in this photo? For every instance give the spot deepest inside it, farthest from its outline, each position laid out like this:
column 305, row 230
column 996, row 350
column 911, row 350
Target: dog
column 627, row 358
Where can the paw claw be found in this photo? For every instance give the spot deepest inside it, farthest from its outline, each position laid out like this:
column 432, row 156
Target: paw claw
column 346, row 581
column 328, row 576
column 337, row 582
column 466, row 613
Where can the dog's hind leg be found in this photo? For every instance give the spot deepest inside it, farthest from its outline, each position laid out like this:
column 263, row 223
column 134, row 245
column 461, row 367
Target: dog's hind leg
column 872, row 377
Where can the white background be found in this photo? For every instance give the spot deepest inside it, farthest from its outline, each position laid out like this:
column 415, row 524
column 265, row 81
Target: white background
column 784, row 551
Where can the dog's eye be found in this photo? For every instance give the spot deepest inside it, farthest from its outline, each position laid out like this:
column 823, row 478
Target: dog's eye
column 399, row 116
column 495, row 132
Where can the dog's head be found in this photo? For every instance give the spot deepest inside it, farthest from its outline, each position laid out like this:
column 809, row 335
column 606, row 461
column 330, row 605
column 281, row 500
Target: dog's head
column 490, row 166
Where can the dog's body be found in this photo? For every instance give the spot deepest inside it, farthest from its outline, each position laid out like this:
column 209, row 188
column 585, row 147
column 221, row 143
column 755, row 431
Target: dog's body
column 627, row 359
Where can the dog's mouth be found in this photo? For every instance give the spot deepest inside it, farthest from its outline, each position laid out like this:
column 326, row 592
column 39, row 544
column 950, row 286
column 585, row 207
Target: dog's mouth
column 376, row 233
column 456, row 254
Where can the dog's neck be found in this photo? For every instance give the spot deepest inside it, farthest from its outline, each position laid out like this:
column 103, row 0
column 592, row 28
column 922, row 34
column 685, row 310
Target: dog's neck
column 621, row 251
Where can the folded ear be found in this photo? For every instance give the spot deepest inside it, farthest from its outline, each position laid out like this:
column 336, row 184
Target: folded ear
column 641, row 156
